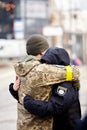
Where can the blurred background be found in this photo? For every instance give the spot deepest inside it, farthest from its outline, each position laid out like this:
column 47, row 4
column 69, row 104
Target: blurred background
column 63, row 23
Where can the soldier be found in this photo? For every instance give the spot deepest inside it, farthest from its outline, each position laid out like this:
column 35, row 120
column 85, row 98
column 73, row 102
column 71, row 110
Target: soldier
column 64, row 103
column 36, row 80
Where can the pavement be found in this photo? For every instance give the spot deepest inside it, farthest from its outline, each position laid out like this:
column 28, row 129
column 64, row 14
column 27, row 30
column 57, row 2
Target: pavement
column 8, row 106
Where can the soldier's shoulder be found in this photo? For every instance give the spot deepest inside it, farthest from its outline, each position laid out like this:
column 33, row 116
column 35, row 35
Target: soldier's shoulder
column 22, row 68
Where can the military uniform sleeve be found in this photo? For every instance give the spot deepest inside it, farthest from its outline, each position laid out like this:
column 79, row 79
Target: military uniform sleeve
column 47, row 74
column 51, row 74
column 58, row 103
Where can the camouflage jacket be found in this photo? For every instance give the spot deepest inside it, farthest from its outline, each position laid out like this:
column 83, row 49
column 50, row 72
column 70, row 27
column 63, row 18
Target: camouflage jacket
column 36, row 80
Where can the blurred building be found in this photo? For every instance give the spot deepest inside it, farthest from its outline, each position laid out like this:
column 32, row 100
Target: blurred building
column 75, row 32
column 6, row 19
column 62, row 22
column 23, row 17
column 70, row 20
column 31, row 15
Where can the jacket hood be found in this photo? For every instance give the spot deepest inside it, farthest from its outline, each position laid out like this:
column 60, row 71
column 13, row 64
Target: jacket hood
column 57, row 56
column 25, row 66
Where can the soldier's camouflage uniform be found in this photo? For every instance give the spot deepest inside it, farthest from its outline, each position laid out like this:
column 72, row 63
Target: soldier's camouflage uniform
column 36, row 80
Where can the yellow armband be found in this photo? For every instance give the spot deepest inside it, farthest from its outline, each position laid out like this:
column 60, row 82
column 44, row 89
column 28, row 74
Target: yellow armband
column 68, row 73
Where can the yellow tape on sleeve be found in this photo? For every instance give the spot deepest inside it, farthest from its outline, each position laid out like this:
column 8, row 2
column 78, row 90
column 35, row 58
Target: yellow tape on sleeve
column 68, row 73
